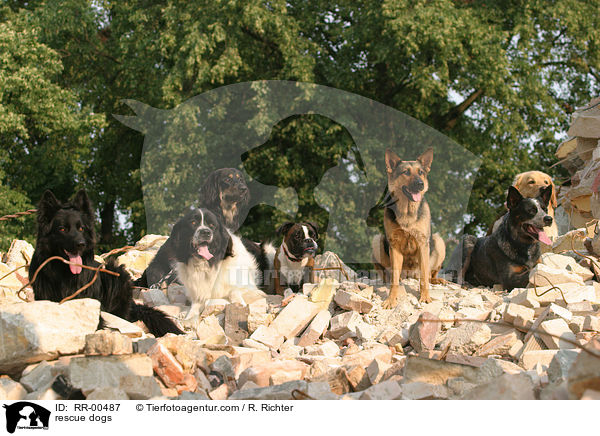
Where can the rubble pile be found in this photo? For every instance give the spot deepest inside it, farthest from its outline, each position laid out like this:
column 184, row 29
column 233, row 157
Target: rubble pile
column 580, row 156
column 331, row 341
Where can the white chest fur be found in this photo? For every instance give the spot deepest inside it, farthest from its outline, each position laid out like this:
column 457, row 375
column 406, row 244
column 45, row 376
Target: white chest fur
column 290, row 273
column 228, row 279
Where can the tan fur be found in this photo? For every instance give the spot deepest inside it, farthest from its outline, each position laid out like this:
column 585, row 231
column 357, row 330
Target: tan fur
column 409, row 232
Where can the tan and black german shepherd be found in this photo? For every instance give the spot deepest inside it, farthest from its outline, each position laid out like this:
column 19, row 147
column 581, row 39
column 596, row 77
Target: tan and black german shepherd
column 408, row 244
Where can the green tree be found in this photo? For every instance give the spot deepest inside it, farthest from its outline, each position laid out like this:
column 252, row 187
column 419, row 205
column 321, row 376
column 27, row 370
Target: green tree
column 44, row 131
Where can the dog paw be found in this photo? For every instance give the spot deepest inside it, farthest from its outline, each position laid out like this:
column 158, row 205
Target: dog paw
column 425, row 299
column 390, row 303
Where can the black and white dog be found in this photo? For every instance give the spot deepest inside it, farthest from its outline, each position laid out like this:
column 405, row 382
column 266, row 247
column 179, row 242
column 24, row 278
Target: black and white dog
column 67, row 230
column 212, row 262
column 293, row 263
column 225, row 193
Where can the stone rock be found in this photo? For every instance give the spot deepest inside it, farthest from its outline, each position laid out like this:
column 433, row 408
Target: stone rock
column 561, row 262
column 387, row 390
column 584, row 374
column 219, row 393
column 500, row 345
column 556, row 311
column 505, row 387
column 95, row 372
column 268, row 336
column 105, row 343
column 352, row 301
column 166, row 366
column 188, row 352
column 376, row 371
column 343, row 324
column 154, row 297
column 357, row 377
column 320, row 391
column 327, row 348
column 251, row 343
column 10, row 390
column 466, row 338
column 515, row 310
column 295, row 317
column 109, row 393
column 126, row 328
column 42, row 330
column 275, row 372
column 258, row 315
column 365, row 331
column 581, row 309
column 573, row 293
column 39, row 377
column 590, row 394
column 224, row 366
column 558, row 370
column 423, row 334
column 560, row 330
column 140, row 387
column 365, row 357
column 19, row 254
column 323, row 293
column 424, row 391
column 530, row 359
column 283, row 391
column 236, row 322
column 187, row 396
column 246, row 358
column 543, row 275
column 335, row 377
column 214, row 306
column 315, row 329
column 591, row 323
column 45, row 395
column 209, row 331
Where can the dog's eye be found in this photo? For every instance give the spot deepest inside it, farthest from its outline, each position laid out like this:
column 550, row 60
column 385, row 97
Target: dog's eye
column 80, row 228
column 531, row 182
column 62, row 229
column 546, row 182
column 407, row 172
column 421, row 172
column 194, row 222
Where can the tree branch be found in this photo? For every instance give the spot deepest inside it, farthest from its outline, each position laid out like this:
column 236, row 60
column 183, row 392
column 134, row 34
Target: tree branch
column 451, row 118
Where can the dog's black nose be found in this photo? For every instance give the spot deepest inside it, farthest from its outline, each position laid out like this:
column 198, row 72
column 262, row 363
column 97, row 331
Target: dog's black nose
column 418, row 184
column 204, row 234
column 547, row 220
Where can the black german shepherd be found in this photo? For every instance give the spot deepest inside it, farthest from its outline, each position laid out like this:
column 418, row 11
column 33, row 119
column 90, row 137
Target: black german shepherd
column 67, row 230
column 511, row 251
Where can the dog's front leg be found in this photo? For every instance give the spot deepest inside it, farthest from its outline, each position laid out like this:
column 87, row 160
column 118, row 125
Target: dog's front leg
column 425, row 273
column 396, row 290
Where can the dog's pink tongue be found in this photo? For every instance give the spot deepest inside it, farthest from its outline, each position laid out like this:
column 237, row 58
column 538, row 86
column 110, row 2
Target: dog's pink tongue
column 203, row 251
column 416, row 197
column 541, row 235
column 75, row 259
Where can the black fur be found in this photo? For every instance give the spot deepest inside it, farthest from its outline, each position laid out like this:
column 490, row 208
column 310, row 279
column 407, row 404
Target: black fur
column 220, row 194
column 510, row 252
column 187, row 236
column 69, row 227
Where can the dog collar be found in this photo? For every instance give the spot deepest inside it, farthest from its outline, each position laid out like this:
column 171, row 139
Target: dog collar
column 288, row 255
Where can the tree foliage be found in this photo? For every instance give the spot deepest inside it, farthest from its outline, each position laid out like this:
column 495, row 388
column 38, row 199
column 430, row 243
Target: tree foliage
column 499, row 77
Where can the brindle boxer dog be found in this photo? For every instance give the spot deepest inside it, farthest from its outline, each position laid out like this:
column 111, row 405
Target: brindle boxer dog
column 408, row 244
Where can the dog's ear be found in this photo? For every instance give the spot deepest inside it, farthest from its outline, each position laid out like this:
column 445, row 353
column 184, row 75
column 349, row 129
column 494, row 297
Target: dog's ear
column 546, row 194
column 229, row 249
column 553, row 199
column 314, row 227
column 513, row 198
column 82, row 203
column 209, row 192
column 518, row 179
column 47, row 208
column 283, row 229
column 426, row 158
column 392, row 160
